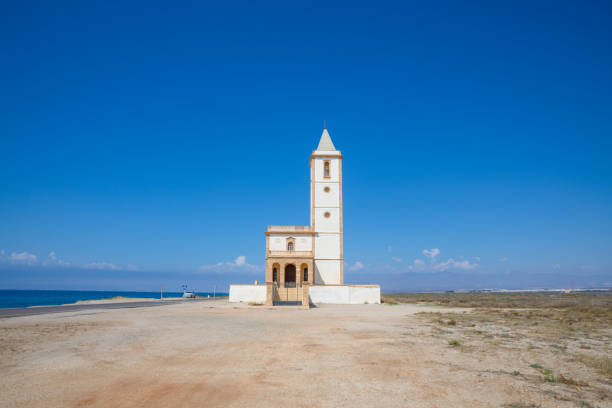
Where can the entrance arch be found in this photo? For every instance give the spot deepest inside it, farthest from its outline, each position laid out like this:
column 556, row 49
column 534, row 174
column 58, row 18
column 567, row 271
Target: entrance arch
column 290, row 275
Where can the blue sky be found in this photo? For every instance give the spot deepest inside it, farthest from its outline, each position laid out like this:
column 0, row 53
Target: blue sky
column 144, row 144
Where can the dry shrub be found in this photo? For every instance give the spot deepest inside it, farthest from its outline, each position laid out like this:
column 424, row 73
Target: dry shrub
column 570, row 381
column 388, row 300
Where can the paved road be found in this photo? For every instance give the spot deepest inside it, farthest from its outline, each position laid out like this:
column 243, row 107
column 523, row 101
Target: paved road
column 29, row 311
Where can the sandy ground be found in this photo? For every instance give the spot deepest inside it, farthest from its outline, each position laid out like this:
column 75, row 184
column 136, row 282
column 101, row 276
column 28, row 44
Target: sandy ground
column 219, row 354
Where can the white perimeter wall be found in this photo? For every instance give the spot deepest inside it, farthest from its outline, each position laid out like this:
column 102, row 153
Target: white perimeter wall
column 248, row 293
column 339, row 295
column 345, row 295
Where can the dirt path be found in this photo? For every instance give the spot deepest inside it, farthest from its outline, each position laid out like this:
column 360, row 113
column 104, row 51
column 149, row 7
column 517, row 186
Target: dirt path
column 218, row 354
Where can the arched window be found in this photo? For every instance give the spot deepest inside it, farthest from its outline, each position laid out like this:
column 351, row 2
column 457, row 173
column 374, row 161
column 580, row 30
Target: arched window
column 305, row 274
column 290, row 246
column 326, row 169
column 274, row 275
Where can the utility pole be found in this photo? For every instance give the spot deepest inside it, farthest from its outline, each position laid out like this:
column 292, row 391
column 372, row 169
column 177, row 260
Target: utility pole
column 161, row 296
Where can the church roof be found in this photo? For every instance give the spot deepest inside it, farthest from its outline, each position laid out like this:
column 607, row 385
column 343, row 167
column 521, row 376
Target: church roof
column 325, row 144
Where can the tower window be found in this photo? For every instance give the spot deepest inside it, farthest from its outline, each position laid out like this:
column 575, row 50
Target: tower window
column 305, row 274
column 274, row 275
column 327, row 214
column 290, row 246
column 326, row 169
column 326, row 189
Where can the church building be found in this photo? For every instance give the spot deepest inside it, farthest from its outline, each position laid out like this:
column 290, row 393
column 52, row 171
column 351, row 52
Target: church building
column 312, row 254
column 305, row 264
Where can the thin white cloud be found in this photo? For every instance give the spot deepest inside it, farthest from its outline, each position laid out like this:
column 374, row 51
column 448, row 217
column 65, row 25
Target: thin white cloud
column 398, row 260
column 589, row 267
column 54, row 260
column 476, row 258
column 240, row 263
column 356, row 266
column 504, row 259
column 431, row 254
column 102, row 266
column 556, row 266
column 389, row 249
column 22, row 257
column 451, row 264
column 111, row 267
column 464, row 265
column 417, row 266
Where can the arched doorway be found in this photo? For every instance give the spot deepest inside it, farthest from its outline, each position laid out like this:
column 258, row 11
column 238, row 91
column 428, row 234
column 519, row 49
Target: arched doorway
column 290, row 275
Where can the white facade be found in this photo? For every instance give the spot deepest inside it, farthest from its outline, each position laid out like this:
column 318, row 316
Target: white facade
column 326, row 212
column 278, row 242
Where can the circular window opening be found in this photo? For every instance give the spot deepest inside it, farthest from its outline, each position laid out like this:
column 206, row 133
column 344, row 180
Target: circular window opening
column 326, row 189
column 327, row 214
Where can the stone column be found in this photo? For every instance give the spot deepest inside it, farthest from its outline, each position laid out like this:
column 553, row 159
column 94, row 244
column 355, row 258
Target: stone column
column 268, row 271
column 281, row 274
column 311, row 272
column 305, row 295
column 269, row 294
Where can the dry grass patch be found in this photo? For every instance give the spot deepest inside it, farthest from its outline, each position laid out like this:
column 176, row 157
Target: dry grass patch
column 603, row 364
column 573, row 334
column 506, row 300
column 547, row 324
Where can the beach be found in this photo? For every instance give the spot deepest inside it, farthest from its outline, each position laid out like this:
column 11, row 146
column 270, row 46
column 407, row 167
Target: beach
column 213, row 353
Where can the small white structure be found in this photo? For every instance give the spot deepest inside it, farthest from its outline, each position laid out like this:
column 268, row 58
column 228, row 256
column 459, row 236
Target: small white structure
column 298, row 256
column 248, row 293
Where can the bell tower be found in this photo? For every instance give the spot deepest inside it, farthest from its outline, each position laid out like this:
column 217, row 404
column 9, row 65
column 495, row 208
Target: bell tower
column 326, row 212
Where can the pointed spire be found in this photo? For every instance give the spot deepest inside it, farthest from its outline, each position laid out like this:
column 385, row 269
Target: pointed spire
column 325, row 144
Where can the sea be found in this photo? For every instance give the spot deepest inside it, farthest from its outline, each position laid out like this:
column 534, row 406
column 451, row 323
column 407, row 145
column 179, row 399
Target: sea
column 27, row 298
